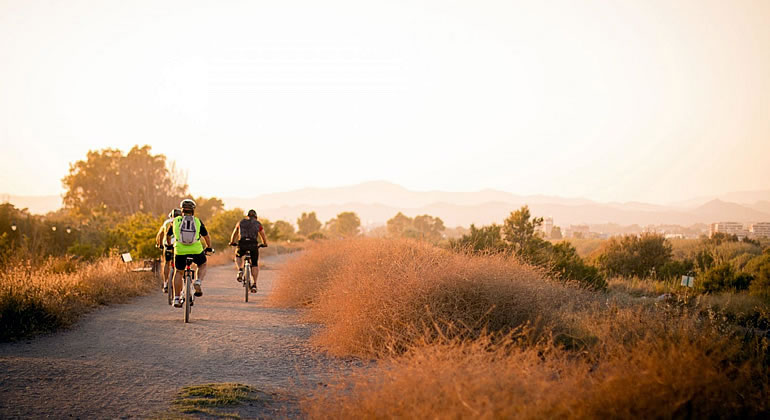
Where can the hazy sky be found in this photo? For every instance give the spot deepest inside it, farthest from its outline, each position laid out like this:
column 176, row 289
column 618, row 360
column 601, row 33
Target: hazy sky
column 610, row 100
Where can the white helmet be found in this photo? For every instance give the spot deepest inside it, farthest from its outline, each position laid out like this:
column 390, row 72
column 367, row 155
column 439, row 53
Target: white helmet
column 187, row 204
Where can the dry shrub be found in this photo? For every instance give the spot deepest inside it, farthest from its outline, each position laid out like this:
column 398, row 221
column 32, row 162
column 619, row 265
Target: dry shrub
column 377, row 297
column 644, row 365
column 55, row 293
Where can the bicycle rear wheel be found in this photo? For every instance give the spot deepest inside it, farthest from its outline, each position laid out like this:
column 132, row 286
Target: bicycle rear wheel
column 246, row 281
column 187, row 297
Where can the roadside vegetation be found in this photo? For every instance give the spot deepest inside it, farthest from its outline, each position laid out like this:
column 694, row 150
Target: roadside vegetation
column 465, row 333
column 42, row 297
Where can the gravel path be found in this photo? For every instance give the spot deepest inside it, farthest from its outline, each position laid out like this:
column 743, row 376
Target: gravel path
column 129, row 360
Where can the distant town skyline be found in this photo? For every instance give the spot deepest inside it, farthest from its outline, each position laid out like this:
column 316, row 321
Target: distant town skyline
column 649, row 100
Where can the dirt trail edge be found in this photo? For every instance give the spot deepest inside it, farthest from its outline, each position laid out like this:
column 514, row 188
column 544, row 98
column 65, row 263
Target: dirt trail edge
column 129, row 360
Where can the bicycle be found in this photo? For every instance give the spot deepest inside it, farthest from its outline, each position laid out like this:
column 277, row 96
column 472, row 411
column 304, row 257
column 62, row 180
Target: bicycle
column 247, row 273
column 188, row 277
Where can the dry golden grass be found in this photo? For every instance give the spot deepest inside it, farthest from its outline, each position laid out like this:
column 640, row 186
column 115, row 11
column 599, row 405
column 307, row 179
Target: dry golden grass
column 462, row 336
column 642, row 365
column 55, row 293
column 377, row 296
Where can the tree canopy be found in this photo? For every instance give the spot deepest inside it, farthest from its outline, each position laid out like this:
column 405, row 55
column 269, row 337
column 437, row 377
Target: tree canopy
column 308, row 223
column 345, row 224
column 108, row 181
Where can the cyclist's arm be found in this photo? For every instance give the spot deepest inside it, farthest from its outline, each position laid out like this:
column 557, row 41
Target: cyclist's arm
column 262, row 235
column 159, row 237
column 236, row 231
column 207, row 239
column 169, row 234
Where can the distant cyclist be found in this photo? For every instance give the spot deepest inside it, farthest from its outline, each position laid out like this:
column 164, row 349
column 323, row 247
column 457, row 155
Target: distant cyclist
column 187, row 232
column 168, row 254
column 245, row 233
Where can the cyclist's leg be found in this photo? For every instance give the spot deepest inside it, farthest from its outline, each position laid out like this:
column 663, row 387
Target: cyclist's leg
column 179, row 263
column 168, row 257
column 254, row 266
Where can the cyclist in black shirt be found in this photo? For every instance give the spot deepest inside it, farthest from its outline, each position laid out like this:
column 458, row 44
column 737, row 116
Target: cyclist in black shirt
column 246, row 234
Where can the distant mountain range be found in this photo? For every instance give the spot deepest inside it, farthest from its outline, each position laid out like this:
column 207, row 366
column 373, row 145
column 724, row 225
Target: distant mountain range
column 376, row 202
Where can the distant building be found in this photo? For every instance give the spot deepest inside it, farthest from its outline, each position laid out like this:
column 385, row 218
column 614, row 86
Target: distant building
column 760, row 229
column 547, row 226
column 578, row 231
column 674, row 236
column 728, row 228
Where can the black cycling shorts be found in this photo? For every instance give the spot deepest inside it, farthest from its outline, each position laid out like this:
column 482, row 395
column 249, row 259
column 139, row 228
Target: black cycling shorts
column 180, row 261
column 169, row 254
column 251, row 246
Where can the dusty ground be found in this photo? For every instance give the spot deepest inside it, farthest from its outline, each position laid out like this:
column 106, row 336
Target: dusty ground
column 129, row 360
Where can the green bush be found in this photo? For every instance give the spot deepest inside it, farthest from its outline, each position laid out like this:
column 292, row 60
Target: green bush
column 635, row 256
column 760, row 286
column 724, row 278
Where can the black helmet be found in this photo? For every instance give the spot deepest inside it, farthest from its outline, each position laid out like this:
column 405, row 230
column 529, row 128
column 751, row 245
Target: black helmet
column 252, row 213
column 187, row 204
column 174, row 213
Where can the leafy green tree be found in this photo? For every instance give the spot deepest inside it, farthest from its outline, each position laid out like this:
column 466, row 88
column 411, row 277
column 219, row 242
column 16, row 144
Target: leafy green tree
column 281, row 231
column 760, row 286
column 563, row 262
column 428, row 227
column 221, row 226
column 345, row 224
column 398, row 224
column 206, row 208
column 308, row 223
column 519, row 230
column 108, row 181
column 641, row 256
column 136, row 234
column 484, row 239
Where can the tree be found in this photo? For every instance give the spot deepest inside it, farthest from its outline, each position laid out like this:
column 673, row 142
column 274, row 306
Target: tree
column 484, row 239
column 519, row 231
column 429, row 227
column 421, row 227
column 108, row 181
column 221, row 226
column 640, row 256
column 308, row 223
column 345, row 224
column 206, row 208
column 398, row 224
column 281, row 231
column 136, row 234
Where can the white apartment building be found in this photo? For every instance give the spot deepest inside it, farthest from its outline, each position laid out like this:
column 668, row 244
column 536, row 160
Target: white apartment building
column 760, row 229
column 728, row 228
column 547, row 226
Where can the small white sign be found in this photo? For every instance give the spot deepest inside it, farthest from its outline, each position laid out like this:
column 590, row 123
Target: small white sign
column 126, row 257
column 688, row 281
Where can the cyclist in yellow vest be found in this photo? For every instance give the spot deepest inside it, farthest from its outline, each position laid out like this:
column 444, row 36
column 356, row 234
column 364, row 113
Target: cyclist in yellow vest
column 187, row 231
